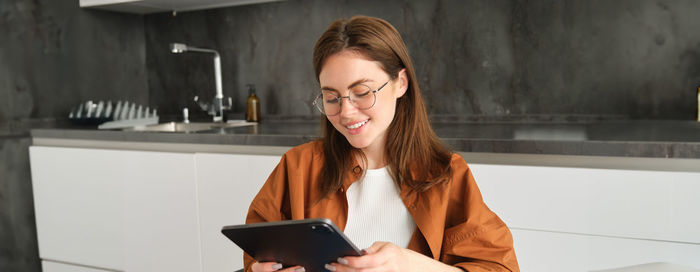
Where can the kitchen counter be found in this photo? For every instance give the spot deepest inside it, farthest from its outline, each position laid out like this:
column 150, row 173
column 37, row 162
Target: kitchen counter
column 643, row 139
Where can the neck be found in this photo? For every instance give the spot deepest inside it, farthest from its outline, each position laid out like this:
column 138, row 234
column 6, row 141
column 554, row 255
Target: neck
column 375, row 156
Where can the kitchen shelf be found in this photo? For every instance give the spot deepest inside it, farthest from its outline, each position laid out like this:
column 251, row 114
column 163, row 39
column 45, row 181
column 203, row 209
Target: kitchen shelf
column 155, row 6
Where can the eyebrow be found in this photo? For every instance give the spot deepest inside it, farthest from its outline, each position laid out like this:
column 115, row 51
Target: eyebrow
column 357, row 82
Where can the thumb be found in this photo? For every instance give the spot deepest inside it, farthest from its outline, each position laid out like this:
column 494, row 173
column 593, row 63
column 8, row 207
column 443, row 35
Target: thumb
column 374, row 247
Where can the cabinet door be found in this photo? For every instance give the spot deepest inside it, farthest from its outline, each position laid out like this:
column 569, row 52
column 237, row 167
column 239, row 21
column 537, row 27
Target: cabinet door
column 116, row 210
column 593, row 219
column 227, row 185
column 49, row 266
column 78, row 202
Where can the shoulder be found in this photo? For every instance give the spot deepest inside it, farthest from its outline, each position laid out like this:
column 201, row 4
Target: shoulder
column 306, row 153
column 461, row 175
column 458, row 164
column 313, row 148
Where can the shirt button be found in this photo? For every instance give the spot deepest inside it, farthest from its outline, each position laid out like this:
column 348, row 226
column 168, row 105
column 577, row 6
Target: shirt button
column 357, row 169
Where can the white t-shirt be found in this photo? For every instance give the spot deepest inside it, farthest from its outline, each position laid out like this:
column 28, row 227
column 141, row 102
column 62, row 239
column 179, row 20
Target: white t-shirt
column 376, row 211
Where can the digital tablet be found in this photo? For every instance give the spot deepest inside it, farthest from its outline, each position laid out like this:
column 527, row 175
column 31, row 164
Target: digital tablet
column 311, row 243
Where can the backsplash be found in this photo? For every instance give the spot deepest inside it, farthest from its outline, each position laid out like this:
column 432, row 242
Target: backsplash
column 547, row 60
column 632, row 58
column 54, row 55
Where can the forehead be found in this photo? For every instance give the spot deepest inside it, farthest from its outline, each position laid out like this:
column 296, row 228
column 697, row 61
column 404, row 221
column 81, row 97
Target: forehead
column 346, row 67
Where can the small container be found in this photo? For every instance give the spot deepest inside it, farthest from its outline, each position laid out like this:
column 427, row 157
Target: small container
column 253, row 105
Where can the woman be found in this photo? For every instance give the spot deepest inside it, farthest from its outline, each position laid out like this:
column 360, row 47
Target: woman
column 379, row 172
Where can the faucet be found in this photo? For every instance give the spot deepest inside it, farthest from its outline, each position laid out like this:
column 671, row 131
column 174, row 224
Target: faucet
column 217, row 107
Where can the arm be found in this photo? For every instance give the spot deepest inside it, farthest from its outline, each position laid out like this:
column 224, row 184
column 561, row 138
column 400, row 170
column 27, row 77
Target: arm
column 268, row 204
column 477, row 239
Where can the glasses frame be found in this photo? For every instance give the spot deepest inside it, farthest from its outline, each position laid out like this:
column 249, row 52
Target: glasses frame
column 340, row 101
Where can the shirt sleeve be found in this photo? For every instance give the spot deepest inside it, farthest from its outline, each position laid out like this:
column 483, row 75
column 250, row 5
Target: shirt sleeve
column 268, row 204
column 476, row 239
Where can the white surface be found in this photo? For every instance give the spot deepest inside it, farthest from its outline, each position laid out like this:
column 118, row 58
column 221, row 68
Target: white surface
column 546, row 251
column 48, row 266
column 150, row 6
column 78, row 204
column 645, row 216
column 138, row 211
column 127, row 123
column 653, row 267
column 122, row 210
column 636, row 204
column 227, row 185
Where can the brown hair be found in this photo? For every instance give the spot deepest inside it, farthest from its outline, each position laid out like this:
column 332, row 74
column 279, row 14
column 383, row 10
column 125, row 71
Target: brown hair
column 415, row 155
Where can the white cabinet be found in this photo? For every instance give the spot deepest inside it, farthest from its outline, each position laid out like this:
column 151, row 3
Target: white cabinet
column 141, row 211
column 49, row 266
column 116, row 210
column 134, row 211
column 152, row 6
column 227, row 185
column 581, row 219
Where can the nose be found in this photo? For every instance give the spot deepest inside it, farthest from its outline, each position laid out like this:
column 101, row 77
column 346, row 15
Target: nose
column 346, row 107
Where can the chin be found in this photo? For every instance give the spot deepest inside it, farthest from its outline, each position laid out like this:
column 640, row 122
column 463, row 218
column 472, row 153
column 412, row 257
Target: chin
column 358, row 143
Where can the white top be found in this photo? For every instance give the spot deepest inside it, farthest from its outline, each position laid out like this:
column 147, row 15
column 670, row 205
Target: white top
column 376, row 211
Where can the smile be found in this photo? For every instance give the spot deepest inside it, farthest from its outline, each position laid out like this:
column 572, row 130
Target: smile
column 357, row 125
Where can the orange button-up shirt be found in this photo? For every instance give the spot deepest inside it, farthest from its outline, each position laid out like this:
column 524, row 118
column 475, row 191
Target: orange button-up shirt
column 454, row 225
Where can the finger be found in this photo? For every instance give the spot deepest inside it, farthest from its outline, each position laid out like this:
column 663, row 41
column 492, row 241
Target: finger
column 266, row 266
column 337, row 267
column 293, row 269
column 375, row 247
column 378, row 254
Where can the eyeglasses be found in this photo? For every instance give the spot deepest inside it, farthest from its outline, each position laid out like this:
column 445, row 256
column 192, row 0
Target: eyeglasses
column 361, row 96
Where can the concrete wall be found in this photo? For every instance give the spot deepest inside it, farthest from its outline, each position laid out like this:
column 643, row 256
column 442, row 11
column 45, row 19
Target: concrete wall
column 54, row 55
column 634, row 58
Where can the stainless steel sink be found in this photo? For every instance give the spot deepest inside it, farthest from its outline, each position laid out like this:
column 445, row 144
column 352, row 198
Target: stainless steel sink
column 190, row 127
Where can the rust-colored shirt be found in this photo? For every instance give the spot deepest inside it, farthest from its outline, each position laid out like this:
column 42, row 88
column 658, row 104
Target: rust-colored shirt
column 454, row 225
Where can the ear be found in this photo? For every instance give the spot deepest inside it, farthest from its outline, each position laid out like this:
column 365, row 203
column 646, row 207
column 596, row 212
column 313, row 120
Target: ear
column 403, row 83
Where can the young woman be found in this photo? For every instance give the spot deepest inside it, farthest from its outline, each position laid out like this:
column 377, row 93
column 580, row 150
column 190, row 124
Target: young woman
column 379, row 172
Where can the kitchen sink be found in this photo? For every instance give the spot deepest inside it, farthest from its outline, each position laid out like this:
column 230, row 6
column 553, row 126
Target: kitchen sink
column 191, row 127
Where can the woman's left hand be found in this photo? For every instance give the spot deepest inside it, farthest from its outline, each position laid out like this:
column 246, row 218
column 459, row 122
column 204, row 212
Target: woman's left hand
column 381, row 256
column 384, row 256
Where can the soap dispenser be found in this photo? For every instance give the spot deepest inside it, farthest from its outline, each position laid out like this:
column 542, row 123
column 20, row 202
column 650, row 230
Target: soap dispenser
column 253, row 105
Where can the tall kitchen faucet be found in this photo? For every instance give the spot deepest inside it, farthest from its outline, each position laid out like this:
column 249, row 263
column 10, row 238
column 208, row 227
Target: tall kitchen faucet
column 217, row 107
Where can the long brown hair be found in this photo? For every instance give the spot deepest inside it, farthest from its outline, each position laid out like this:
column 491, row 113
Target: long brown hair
column 414, row 154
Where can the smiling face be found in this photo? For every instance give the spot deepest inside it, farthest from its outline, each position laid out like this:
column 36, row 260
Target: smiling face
column 364, row 129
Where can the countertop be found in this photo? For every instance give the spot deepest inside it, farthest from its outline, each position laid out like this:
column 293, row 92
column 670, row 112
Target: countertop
column 618, row 138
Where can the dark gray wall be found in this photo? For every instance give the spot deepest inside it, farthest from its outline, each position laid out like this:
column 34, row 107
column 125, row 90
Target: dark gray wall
column 54, row 55
column 635, row 58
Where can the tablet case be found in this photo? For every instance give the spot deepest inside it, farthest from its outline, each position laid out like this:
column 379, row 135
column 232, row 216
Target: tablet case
column 311, row 243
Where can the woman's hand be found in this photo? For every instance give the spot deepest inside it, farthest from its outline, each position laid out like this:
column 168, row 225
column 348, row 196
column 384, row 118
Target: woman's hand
column 384, row 256
column 272, row 266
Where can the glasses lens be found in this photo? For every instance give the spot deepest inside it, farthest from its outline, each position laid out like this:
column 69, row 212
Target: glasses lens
column 328, row 103
column 362, row 97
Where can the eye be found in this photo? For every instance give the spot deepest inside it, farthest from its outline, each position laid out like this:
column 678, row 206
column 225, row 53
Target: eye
column 362, row 94
column 330, row 98
column 360, row 91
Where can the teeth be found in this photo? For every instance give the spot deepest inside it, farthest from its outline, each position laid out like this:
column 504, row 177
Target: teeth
column 357, row 125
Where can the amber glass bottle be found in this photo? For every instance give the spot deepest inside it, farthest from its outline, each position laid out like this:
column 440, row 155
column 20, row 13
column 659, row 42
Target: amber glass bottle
column 253, row 105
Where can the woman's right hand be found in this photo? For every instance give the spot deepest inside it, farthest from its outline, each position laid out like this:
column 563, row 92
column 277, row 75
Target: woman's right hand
column 273, row 266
